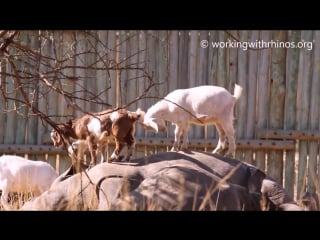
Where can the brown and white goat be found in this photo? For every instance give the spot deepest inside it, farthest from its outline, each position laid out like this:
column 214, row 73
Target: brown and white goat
column 93, row 131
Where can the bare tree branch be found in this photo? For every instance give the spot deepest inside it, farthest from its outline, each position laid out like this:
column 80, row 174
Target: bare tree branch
column 33, row 72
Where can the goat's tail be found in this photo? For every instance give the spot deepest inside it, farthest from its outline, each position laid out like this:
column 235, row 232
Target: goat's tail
column 237, row 91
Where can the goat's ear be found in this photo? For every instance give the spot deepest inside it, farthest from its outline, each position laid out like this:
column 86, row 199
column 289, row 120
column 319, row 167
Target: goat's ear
column 134, row 116
column 58, row 137
column 140, row 112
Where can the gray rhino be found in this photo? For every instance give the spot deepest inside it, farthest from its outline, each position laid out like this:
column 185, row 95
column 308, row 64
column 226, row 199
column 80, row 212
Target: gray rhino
column 166, row 181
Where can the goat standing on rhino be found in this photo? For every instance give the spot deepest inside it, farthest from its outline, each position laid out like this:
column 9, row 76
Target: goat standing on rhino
column 202, row 105
column 94, row 130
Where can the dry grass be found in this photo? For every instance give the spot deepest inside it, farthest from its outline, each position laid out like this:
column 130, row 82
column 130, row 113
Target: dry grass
column 16, row 200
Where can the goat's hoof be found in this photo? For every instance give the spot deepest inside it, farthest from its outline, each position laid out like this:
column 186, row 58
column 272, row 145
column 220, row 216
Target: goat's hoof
column 221, row 152
column 174, row 149
column 186, row 150
column 91, row 165
column 229, row 155
column 126, row 159
column 121, row 159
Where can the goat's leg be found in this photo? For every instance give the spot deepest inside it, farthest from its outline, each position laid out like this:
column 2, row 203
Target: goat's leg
column 92, row 150
column 73, row 154
column 4, row 200
column 222, row 140
column 102, row 150
column 230, row 132
column 76, row 152
column 129, row 149
column 185, row 142
column 177, row 135
column 116, row 153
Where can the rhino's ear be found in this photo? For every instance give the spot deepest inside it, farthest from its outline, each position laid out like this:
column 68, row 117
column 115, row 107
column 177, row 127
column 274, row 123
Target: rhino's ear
column 255, row 179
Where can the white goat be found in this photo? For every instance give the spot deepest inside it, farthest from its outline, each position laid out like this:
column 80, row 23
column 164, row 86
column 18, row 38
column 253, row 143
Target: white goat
column 19, row 175
column 202, row 105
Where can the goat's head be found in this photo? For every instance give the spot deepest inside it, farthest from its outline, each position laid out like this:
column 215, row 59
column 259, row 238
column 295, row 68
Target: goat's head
column 57, row 134
column 154, row 124
column 152, row 119
column 56, row 138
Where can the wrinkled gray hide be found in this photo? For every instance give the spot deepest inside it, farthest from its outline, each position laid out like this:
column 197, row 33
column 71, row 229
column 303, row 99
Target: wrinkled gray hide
column 165, row 181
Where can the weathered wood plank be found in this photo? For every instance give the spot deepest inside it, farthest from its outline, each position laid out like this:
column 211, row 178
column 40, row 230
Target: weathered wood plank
column 290, row 110
column 102, row 75
column 11, row 116
column 316, row 76
column 243, row 82
column 141, row 81
column 263, row 86
column 58, row 55
column 243, row 144
column 112, row 56
column 3, row 79
column 232, row 62
column 232, row 73
column 203, row 63
column 22, row 130
column 183, row 59
column 131, row 81
column 161, row 71
column 43, row 128
column 80, row 72
column 312, row 135
column 173, row 42
column 277, row 93
column 193, row 59
column 153, row 142
column 212, row 71
column 222, row 61
column 33, row 121
column 151, row 68
column 202, row 76
column 124, row 51
column 141, row 86
column 162, row 62
column 251, row 95
column 192, row 69
column 313, row 183
column 173, row 68
column 303, row 105
column 90, row 74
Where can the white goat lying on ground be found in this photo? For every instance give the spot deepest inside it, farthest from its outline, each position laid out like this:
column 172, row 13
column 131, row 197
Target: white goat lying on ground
column 201, row 105
column 19, row 175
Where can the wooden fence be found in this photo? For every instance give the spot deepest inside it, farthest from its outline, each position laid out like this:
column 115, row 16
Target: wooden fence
column 277, row 116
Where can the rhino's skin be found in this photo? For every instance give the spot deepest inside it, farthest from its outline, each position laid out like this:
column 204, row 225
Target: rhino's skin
column 164, row 181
